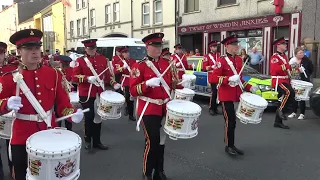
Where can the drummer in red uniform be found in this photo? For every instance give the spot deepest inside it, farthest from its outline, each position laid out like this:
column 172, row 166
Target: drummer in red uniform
column 180, row 60
column 229, row 90
column 146, row 86
column 91, row 85
column 45, row 88
column 280, row 74
column 208, row 63
column 117, row 58
column 122, row 66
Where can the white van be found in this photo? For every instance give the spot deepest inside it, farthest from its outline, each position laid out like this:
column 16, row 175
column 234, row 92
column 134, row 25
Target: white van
column 106, row 47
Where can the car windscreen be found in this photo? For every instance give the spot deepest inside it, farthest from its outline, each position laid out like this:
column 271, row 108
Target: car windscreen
column 249, row 70
column 195, row 61
column 137, row 52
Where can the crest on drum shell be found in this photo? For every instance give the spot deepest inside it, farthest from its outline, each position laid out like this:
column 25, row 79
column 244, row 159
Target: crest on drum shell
column 274, row 60
column 65, row 169
column 299, row 91
column 135, row 73
column 194, row 125
column 2, row 123
column 175, row 123
column 105, row 108
column 34, row 167
column 246, row 111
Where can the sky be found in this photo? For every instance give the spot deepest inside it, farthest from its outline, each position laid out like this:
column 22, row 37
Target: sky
column 6, row 2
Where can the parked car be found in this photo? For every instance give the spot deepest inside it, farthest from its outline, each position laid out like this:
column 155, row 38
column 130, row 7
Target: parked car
column 249, row 74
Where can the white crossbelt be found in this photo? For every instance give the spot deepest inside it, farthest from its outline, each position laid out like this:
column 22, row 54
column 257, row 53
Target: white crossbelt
column 124, row 77
column 32, row 117
column 180, row 69
column 280, row 77
column 154, row 101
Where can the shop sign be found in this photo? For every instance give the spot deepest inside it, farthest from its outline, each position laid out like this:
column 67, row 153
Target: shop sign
column 252, row 23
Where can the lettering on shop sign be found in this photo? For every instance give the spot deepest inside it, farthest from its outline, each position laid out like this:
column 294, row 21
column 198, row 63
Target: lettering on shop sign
column 238, row 24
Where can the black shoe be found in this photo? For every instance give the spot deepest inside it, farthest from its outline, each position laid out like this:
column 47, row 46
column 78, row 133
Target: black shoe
column 213, row 112
column 100, row 146
column 230, row 151
column 281, row 115
column 88, row 145
column 240, row 152
column 126, row 112
column 280, row 125
column 144, row 177
column 159, row 176
column 132, row 118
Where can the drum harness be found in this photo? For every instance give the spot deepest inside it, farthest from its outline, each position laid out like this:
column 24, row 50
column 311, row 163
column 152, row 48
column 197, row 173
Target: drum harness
column 234, row 71
column 150, row 100
column 180, row 60
column 281, row 77
column 125, row 75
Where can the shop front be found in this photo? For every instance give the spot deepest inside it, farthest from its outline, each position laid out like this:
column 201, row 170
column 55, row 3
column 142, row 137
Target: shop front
column 257, row 32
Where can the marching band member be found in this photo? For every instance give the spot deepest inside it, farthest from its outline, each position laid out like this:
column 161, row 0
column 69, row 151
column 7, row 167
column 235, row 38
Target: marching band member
column 152, row 91
column 166, row 54
column 208, row 63
column 226, row 76
column 117, row 58
column 180, row 60
column 32, row 107
column 87, row 73
column 122, row 65
column 5, row 68
column 280, row 74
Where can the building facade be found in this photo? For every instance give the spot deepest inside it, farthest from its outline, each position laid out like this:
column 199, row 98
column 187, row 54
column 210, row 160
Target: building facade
column 9, row 25
column 150, row 16
column 28, row 24
column 260, row 24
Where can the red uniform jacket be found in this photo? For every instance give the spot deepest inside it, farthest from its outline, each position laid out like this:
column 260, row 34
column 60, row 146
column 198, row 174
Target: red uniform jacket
column 45, row 84
column 81, row 72
column 116, row 59
column 119, row 70
column 221, row 74
column 208, row 62
column 68, row 73
column 279, row 68
column 7, row 68
column 45, row 62
column 184, row 62
column 139, row 75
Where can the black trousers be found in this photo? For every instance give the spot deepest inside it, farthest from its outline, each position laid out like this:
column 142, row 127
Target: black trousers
column 301, row 105
column 19, row 161
column 129, row 103
column 153, row 152
column 92, row 130
column 9, row 162
column 213, row 98
column 66, row 123
column 230, row 122
column 289, row 98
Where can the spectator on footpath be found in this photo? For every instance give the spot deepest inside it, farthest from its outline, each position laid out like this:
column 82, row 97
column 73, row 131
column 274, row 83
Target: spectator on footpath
column 306, row 51
column 197, row 52
column 302, row 68
column 256, row 59
column 244, row 56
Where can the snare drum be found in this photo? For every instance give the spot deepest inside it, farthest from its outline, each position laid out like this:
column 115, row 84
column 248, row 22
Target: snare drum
column 184, row 94
column 182, row 119
column 74, row 99
column 6, row 124
column 53, row 154
column 250, row 108
column 110, row 105
column 302, row 89
column 190, row 84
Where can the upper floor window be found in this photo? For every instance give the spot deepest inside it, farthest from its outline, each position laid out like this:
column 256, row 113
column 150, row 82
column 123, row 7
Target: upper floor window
column 108, row 13
column 191, row 6
column 84, row 27
column 145, row 14
column 116, row 12
column 92, row 17
column 78, row 4
column 157, row 12
column 84, row 3
column 78, row 27
column 71, row 29
column 226, row 2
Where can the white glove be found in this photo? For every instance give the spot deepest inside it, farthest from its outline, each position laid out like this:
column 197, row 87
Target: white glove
column 117, row 86
column 78, row 116
column 193, row 65
column 14, row 103
column 234, row 78
column 253, row 89
column 178, row 64
column 125, row 66
column 154, row 82
column 302, row 69
column 92, row 79
column 212, row 66
column 50, row 56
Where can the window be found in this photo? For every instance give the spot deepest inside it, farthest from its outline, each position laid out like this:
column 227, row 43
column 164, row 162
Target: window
column 78, row 4
column 116, row 12
column 108, row 13
column 78, row 27
column 191, row 6
column 157, row 12
column 84, row 4
column 84, row 27
column 145, row 14
column 226, row 2
column 71, row 29
column 93, row 17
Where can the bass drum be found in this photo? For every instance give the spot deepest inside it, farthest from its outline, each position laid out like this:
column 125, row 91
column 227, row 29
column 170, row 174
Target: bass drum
column 315, row 102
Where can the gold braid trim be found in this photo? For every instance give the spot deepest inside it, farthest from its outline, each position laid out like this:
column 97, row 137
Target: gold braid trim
column 81, row 78
column 139, row 89
column 283, row 67
column 120, row 69
column 221, row 78
column 208, row 68
column 245, row 84
column 67, row 111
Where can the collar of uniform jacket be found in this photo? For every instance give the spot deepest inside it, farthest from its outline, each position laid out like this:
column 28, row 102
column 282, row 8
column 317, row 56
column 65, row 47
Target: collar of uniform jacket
column 151, row 58
column 280, row 53
column 24, row 67
column 228, row 54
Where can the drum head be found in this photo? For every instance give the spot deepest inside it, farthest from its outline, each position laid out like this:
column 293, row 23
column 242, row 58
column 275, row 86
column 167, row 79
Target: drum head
column 254, row 99
column 186, row 107
column 189, row 76
column 74, row 96
column 112, row 96
column 54, row 140
column 186, row 91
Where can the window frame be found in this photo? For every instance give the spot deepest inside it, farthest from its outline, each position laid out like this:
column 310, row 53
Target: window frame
column 79, row 27
column 186, row 9
column 84, row 3
column 115, row 13
column 84, row 27
column 78, row 4
column 92, row 17
column 71, row 29
column 145, row 14
column 109, row 14
column 155, row 12
column 226, row 4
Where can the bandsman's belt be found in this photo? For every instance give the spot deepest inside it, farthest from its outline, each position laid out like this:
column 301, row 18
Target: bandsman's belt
column 280, row 77
column 154, row 101
column 32, row 117
column 180, row 69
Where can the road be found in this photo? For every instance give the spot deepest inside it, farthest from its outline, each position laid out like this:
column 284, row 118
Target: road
column 270, row 153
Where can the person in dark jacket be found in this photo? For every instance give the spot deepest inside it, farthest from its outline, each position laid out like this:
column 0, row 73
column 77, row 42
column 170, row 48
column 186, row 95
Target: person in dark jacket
column 301, row 66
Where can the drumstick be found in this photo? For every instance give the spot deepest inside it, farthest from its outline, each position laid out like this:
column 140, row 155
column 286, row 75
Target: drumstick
column 243, row 66
column 70, row 115
column 103, row 71
column 165, row 71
